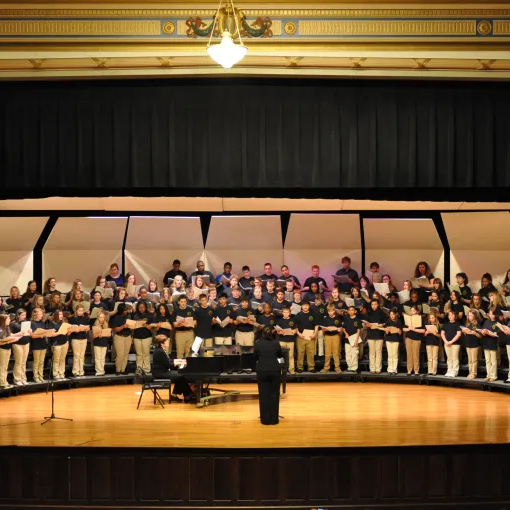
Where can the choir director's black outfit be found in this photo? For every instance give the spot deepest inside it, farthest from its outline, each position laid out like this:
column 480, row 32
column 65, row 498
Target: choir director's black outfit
column 162, row 367
column 267, row 352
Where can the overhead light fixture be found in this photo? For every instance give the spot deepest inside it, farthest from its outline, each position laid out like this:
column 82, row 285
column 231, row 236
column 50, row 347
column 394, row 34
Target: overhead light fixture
column 227, row 53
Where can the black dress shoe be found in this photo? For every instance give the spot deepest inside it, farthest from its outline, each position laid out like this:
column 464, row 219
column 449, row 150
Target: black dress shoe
column 312, row 371
column 299, row 371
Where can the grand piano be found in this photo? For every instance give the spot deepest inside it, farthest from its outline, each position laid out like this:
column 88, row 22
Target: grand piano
column 203, row 370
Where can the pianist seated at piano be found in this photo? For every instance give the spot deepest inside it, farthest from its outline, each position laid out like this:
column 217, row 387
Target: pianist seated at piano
column 163, row 367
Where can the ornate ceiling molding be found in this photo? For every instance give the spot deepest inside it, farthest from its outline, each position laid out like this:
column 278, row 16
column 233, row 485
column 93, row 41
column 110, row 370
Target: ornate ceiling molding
column 454, row 40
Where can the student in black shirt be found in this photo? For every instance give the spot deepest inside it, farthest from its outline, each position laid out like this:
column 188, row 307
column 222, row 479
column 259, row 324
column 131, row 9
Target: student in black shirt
column 490, row 346
column 268, row 274
column 38, row 344
column 352, row 327
column 414, row 336
column 375, row 319
column 78, row 339
column 204, row 315
column 433, row 340
column 97, row 302
column 14, row 300
column 331, row 325
column 318, row 308
column 184, row 322
column 310, row 294
column 266, row 318
column 465, row 291
column 246, row 281
column 6, row 341
column 438, row 304
column 245, row 335
column 60, row 346
column 163, row 320
column 142, row 338
column 234, row 301
column 115, row 275
column 393, row 336
column 201, row 271
column 455, row 305
column 472, row 340
column 122, row 339
column 287, row 276
column 54, row 304
column 269, row 295
column 287, row 334
column 28, row 297
column 176, row 270
column 307, row 333
column 346, row 270
column 99, row 329
column 280, row 303
column 437, row 285
column 223, row 314
column 20, row 349
column 451, row 334
column 315, row 278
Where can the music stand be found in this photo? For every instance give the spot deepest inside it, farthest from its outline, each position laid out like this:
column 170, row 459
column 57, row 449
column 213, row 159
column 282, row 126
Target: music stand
column 51, row 387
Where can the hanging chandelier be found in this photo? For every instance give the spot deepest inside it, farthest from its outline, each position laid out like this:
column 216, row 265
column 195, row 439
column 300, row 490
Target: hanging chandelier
column 226, row 22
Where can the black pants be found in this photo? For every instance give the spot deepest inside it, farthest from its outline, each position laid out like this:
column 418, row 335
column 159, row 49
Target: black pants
column 181, row 385
column 269, row 396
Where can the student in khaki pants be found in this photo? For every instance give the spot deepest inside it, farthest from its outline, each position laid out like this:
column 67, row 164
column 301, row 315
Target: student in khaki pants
column 451, row 334
column 122, row 339
column 332, row 329
column 472, row 342
column 184, row 335
column 78, row 335
column 393, row 335
column 20, row 349
column 490, row 346
column 6, row 340
column 305, row 320
column 414, row 336
column 142, row 338
column 375, row 335
column 433, row 340
column 352, row 328
column 39, row 344
column 100, row 341
column 288, row 338
column 60, row 347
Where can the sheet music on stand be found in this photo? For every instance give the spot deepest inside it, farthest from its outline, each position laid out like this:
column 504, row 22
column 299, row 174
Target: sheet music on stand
column 196, row 346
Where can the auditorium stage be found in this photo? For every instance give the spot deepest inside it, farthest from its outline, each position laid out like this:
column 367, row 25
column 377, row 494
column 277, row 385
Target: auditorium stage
column 315, row 415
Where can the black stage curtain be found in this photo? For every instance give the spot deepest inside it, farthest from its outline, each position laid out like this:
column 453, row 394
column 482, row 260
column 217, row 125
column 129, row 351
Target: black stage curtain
column 280, row 136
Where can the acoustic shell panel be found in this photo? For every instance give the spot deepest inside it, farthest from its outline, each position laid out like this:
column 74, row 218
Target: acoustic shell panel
column 18, row 239
column 479, row 243
column 322, row 239
column 83, row 248
column 399, row 244
column 153, row 243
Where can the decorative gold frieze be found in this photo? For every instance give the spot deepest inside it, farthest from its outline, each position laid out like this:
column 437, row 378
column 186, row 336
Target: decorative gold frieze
column 251, row 12
column 386, row 28
column 79, row 28
column 501, row 27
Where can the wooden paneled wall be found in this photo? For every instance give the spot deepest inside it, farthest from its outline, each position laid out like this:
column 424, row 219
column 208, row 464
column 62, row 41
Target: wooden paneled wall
column 383, row 478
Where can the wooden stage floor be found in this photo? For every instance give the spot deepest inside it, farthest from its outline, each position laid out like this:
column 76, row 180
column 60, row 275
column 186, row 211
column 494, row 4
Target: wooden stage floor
column 316, row 415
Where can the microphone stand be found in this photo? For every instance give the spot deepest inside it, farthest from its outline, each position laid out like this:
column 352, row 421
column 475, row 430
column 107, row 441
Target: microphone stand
column 51, row 387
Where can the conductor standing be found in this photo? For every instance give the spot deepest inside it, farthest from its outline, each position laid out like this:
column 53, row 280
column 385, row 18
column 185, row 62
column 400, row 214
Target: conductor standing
column 267, row 352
